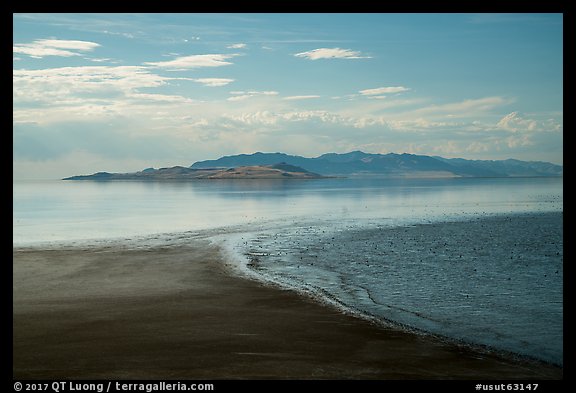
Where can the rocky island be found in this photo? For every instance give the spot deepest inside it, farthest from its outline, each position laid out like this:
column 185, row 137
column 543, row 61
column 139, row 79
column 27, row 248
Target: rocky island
column 276, row 171
column 354, row 164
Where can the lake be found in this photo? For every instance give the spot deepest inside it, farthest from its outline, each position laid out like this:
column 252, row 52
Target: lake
column 478, row 260
column 45, row 211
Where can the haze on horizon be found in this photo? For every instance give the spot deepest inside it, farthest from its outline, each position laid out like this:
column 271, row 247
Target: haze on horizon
column 121, row 92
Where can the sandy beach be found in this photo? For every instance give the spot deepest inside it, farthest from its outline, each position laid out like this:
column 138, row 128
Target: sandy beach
column 119, row 311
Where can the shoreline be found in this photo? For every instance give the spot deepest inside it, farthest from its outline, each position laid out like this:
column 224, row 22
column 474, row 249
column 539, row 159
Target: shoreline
column 175, row 311
column 253, row 263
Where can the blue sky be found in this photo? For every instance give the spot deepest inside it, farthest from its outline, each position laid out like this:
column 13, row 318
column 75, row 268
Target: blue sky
column 121, row 92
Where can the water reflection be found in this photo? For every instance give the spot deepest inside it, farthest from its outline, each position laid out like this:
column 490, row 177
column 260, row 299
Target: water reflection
column 74, row 210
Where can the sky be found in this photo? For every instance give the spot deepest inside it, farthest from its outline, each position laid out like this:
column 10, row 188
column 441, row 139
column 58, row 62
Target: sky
column 123, row 92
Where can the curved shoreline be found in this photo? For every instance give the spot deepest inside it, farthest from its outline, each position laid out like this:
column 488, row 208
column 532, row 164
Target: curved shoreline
column 250, row 265
column 173, row 310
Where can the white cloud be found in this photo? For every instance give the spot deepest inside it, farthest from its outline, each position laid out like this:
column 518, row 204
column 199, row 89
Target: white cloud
column 68, row 44
column 466, row 108
column 88, row 92
column 518, row 141
column 368, row 121
column 101, row 60
column 194, row 61
column 331, row 53
column 64, row 48
column 166, row 98
column 383, row 90
column 269, row 117
column 478, row 147
column 421, row 124
column 296, row 98
column 514, row 122
column 243, row 95
column 51, row 82
column 237, row 46
column 214, row 82
column 323, row 116
column 258, row 118
column 121, row 34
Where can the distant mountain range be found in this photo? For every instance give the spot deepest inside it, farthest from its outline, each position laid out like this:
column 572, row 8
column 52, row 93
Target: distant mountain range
column 353, row 164
column 358, row 163
column 277, row 171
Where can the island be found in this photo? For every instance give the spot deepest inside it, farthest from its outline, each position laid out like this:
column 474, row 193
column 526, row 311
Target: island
column 353, row 164
column 276, row 171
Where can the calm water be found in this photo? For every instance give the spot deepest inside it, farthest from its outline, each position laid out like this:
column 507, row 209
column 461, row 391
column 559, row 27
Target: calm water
column 63, row 211
column 482, row 279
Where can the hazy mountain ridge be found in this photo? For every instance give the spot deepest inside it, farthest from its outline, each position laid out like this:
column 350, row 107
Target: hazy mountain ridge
column 277, row 171
column 358, row 163
column 280, row 165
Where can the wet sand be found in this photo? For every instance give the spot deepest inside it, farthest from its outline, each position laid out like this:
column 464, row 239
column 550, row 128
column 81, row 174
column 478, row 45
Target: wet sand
column 173, row 312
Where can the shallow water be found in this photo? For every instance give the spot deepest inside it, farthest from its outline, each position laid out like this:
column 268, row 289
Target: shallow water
column 494, row 281
column 75, row 210
column 359, row 242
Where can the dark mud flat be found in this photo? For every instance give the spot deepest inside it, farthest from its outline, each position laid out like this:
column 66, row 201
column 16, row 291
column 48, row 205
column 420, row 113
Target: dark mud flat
column 173, row 312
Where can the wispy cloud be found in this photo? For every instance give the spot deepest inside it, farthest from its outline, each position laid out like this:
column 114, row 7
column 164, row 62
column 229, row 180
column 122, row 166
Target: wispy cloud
column 87, row 92
column 194, row 61
column 214, row 82
column 50, row 81
column 52, row 47
column 466, row 108
column 243, row 95
column 331, row 53
column 383, row 90
column 237, row 46
column 296, row 98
